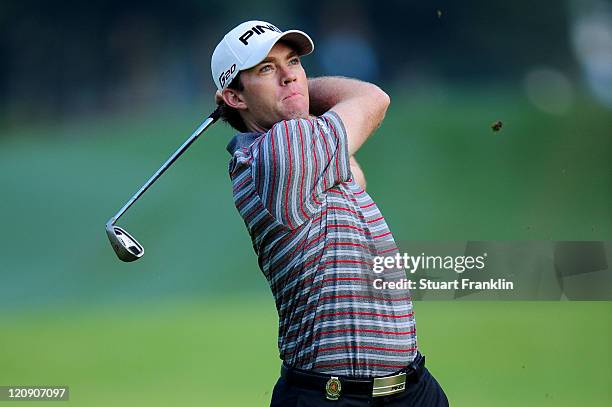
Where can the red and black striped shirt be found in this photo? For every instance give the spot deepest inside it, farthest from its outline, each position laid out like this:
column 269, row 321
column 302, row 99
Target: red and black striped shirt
column 316, row 232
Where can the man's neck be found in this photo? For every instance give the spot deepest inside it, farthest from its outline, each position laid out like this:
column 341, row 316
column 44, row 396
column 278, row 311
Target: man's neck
column 256, row 127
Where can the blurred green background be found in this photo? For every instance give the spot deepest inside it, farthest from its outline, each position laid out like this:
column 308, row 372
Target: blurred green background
column 94, row 98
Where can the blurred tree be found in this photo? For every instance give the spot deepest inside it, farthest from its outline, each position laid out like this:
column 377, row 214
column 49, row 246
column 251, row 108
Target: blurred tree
column 62, row 58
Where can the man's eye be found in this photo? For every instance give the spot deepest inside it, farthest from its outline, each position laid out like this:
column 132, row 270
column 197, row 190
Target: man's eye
column 294, row 61
column 265, row 68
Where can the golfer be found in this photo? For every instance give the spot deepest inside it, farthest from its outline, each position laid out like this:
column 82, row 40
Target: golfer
column 315, row 229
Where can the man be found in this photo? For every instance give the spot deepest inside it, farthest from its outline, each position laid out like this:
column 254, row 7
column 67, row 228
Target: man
column 301, row 193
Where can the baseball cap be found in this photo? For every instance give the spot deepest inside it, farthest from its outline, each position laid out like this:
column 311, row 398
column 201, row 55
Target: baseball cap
column 247, row 45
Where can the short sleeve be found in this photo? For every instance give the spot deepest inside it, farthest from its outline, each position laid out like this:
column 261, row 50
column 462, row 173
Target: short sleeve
column 296, row 162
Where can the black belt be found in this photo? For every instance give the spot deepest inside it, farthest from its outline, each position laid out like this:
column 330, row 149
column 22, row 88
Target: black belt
column 335, row 386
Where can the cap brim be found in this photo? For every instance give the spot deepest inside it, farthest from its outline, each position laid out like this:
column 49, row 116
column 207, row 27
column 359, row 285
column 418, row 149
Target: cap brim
column 298, row 39
column 302, row 42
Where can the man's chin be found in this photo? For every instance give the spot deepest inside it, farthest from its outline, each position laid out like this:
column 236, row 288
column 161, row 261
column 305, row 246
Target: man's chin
column 294, row 108
column 296, row 114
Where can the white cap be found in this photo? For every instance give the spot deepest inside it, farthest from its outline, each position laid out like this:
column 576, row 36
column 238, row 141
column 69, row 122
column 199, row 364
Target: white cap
column 247, row 45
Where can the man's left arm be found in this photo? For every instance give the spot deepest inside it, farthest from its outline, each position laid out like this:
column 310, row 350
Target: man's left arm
column 357, row 172
column 324, row 95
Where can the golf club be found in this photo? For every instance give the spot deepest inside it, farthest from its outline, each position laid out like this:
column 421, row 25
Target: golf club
column 127, row 247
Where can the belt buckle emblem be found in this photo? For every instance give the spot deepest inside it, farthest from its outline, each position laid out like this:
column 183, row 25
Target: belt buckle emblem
column 333, row 388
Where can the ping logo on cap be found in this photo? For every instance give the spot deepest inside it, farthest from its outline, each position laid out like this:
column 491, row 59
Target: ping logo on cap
column 258, row 29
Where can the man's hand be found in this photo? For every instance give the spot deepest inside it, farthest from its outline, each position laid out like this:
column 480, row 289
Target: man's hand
column 360, row 105
column 218, row 97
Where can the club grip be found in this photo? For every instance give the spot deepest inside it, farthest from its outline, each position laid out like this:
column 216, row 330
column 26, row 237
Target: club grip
column 216, row 114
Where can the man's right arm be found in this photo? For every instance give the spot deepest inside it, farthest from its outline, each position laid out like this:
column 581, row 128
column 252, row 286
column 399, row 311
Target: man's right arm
column 360, row 105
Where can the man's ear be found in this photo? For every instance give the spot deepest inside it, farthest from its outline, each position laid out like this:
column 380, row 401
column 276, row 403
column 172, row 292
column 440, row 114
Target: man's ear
column 233, row 98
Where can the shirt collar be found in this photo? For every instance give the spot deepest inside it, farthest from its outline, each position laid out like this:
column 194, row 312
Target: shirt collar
column 242, row 140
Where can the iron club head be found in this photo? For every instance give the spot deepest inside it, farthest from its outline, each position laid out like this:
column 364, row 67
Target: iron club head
column 125, row 246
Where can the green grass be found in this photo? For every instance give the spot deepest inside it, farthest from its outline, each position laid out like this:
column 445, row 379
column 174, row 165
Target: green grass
column 222, row 352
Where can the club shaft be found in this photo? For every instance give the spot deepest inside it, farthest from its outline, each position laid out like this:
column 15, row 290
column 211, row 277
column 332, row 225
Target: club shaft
column 205, row 124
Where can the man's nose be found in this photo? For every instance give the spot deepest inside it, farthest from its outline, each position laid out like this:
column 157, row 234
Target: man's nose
column 288, row 76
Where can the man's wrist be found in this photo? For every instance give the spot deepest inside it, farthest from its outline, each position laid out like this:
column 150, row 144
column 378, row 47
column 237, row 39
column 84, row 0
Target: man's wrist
column 325, row 92
column 318, row 105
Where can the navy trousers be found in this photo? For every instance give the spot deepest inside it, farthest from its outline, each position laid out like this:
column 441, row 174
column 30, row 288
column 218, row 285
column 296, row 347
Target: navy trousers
column 426, row 392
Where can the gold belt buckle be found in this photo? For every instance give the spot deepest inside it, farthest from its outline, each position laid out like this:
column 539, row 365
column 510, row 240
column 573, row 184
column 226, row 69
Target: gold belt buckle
column 384, row 386
column 333, row 388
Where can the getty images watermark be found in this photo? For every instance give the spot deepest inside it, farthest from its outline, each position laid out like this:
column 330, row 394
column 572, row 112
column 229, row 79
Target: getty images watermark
column 487, row 270
column 422, row 262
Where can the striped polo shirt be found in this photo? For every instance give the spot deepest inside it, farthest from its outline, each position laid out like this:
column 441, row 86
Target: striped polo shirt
column 315, row 232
